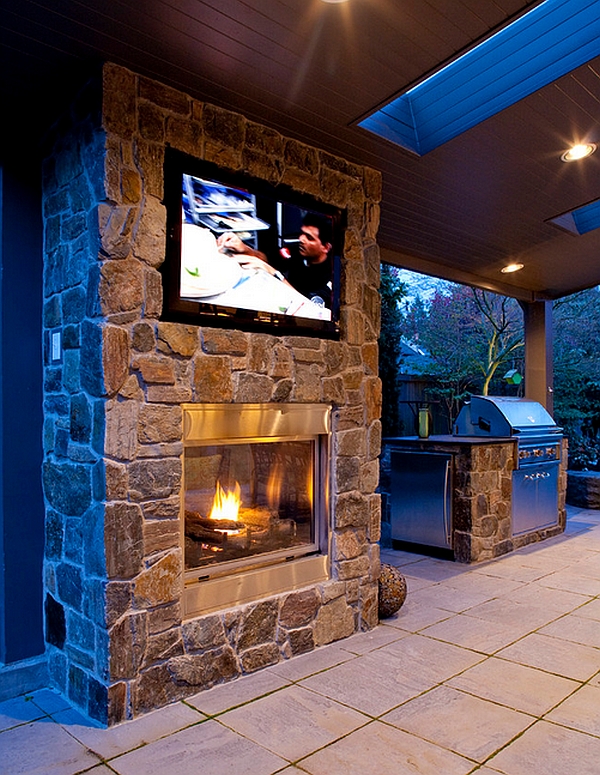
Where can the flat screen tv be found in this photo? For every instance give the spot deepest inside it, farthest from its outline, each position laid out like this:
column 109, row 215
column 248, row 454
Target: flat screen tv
column 242, row 253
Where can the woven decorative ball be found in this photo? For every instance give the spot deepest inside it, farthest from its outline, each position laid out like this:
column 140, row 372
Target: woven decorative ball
column 392, row 590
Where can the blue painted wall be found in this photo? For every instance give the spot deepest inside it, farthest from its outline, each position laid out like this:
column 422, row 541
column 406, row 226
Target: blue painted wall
column 21, row 502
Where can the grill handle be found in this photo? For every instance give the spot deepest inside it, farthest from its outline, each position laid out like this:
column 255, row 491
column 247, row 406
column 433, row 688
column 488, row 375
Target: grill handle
column 485, row 425
column 446, row 488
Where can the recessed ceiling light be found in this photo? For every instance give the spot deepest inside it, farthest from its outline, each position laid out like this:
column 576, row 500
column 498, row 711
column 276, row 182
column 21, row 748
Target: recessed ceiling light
column 579, row 151
column 335, row 1
column 511, row 268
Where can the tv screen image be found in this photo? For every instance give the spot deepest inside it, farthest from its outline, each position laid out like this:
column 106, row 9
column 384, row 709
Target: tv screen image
column 242, row 253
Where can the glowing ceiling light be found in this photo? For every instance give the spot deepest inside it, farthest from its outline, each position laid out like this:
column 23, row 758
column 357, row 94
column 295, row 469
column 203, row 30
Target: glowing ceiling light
column 511, row 268
column 579, row 151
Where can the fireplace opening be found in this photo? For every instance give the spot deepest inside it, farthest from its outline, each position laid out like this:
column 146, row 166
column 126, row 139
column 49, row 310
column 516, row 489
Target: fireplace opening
column 242, row 500
column 255, row 498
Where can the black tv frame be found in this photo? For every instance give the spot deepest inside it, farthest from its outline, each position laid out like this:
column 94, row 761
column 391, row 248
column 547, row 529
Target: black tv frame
column 182, row 310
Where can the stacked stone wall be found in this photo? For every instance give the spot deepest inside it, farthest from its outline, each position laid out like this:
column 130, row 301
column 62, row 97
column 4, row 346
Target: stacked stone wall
column 482, row 501
column 118, row 644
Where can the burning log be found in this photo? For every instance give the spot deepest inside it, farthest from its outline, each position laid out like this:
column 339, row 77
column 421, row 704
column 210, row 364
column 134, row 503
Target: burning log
column 194, row 519
column 199, row 533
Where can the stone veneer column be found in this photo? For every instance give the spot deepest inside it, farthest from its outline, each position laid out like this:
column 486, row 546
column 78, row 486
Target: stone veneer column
column 117, row 642
column 482, row 501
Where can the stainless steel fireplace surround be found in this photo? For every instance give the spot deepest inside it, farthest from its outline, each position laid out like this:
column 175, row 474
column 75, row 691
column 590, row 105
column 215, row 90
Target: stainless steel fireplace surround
column 254, row 501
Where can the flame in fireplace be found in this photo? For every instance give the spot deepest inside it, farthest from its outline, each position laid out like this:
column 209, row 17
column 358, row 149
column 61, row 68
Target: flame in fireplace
column 274, row 486
column 226, row 503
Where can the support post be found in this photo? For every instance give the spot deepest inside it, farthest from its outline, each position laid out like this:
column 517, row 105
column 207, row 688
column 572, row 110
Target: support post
column 539, row 372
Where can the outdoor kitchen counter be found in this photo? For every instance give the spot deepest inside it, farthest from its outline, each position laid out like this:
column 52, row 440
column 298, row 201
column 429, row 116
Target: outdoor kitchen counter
column 480, row 493
column 446, row 441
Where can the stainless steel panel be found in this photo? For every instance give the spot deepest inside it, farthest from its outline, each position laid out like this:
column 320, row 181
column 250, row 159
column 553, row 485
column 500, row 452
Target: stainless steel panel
column 217, row 594
column 206, row 423
column 421, row 490
column 539, row 450
column 535, row 497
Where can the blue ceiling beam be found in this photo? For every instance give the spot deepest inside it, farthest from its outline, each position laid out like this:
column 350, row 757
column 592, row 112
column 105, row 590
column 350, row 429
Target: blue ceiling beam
column 548, row 42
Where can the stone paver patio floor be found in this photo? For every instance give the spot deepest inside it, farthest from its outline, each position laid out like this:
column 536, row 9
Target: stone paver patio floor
column 490, row 668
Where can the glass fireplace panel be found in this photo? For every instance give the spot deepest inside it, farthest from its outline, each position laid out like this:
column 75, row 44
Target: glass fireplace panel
column 242, row 500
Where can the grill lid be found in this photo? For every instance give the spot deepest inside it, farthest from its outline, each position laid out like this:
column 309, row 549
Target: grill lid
column 503, row 416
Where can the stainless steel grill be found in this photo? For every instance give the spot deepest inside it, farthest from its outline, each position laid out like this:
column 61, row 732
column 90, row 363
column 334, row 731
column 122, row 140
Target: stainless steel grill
column 539, row 446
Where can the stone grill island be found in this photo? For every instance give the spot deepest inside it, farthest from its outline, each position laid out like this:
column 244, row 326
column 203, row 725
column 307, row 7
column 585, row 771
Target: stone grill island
column 122, row 637
column 471, row 491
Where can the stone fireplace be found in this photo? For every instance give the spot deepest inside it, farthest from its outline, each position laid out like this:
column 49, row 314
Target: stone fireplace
column 124, row 460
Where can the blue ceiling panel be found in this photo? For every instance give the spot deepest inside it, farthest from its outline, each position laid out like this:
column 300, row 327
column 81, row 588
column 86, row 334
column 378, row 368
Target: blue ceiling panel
column 548, row 42
column 580, row 221
column 587, row 218
column 395, row 123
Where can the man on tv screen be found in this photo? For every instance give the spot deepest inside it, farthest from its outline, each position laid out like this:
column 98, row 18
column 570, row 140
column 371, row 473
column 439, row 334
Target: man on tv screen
column 309, row 270
column 221, row 265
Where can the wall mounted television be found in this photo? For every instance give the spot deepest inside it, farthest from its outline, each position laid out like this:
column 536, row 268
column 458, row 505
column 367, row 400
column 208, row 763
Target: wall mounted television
column 245, row 254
